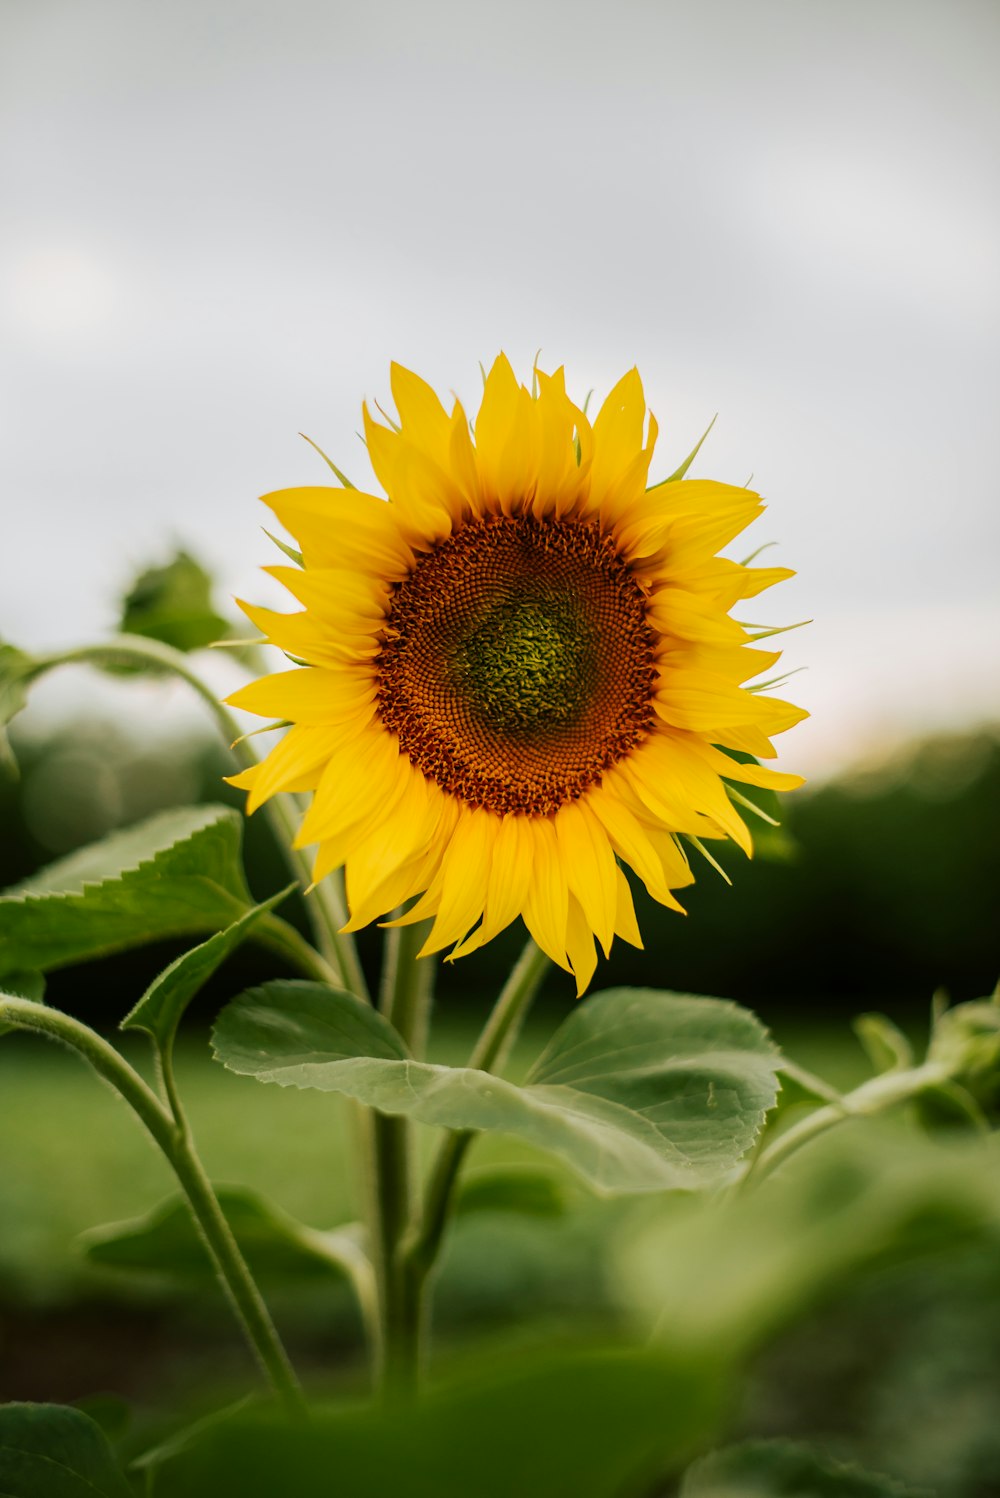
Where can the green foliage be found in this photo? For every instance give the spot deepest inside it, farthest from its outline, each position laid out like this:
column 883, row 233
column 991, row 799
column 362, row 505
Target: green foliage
column 779, row 1469
column 52, row 1451
column 162, row 1006
column 16, row 670
column 173, row 604
column 966, row 1040
column 574, row 1424
column 885, row 1045
column 174, row 874
column 867, row 1194
column 637, row 1091
column 523, row 1189
column 165, row 1242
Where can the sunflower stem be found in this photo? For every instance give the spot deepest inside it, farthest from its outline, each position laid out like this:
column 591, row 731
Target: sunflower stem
column 326, row 904
column 169, row 1131
column 405, row 998
column 420, row 1250
column 874, row 1096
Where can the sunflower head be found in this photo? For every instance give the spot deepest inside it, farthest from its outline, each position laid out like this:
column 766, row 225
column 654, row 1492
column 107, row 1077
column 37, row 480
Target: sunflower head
column 521, row 674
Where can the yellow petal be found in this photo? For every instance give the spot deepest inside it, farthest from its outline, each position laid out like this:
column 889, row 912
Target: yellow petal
column 343, row 528
column 299, row 754
column 629, row 840
column 580, row 946
column 669, row 768
column 547, row 903
column 423, row 419
column 626, row 925
column 422, row 517
column 617, row 438
column 590, row 866
column 307, row 694
column 466, row 864
column 504, row 449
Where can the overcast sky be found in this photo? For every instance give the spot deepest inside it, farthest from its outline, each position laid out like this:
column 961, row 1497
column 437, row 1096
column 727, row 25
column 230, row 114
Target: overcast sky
column 222, row 219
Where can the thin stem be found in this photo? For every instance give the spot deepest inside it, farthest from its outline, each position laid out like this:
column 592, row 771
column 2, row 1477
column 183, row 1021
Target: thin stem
column 489, row 1053
column 281, row 937
column 326, row 904
column 241, row 1288
column 874, row 1096
column 404, row 1000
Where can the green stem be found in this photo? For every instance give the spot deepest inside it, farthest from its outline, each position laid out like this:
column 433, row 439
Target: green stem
column 326, row 904
column 874, row 1096
column 278, row 936
column 420, row 1251
column 404, row 1000
column 172, row 1139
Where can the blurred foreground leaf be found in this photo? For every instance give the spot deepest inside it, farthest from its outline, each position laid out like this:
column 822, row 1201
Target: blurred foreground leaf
column 173, row 604
column 736, row 1270
column 165, row 1241
column 52, row 1451
column 576, row 1424
column 637, row 1091
column 176, row 873
column 778, row 1469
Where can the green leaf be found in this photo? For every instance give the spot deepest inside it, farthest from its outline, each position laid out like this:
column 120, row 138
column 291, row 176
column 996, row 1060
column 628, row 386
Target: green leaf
column 863, row 1196
column 781, row 1469
column 177, row 873
column 637, row 1091
column 524, row 1189
column 53, row 1451
column 161, row 1007
column 577, row 1423
column 165, row 1242
column 173, row 604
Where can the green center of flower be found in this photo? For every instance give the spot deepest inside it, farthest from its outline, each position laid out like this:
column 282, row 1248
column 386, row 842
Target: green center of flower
column 528, row 663
column 517, row 665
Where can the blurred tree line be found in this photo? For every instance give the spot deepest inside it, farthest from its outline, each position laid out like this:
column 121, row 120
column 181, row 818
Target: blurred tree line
column 880, row 886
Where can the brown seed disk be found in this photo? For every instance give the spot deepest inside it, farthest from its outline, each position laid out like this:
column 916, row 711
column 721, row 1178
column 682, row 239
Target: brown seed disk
column 518, row 663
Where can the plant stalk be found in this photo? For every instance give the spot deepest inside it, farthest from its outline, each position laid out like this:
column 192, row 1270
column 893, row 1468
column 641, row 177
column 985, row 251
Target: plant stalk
column 874, row 1096
column 172, row 1138
column 419, row 1252
column 405, row 998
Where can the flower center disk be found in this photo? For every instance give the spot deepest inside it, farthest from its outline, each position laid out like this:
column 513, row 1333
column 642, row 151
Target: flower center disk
column 517, row 664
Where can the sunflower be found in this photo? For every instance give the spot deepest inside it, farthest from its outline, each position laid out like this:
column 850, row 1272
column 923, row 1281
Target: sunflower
column 519, row 675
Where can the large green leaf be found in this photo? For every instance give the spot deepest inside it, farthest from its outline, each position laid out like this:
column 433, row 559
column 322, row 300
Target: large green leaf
column 780, row 1469
column 176, row 873
column 579, row 1423
column 638, row 1090
column 162, row 1006
column 165, row 1242
column 53, row 1451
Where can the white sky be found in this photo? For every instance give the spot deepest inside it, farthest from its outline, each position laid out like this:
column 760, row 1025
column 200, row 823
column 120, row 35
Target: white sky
column 222, row 219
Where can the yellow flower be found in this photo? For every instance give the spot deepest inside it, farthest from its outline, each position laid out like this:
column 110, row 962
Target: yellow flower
column 520, row 672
